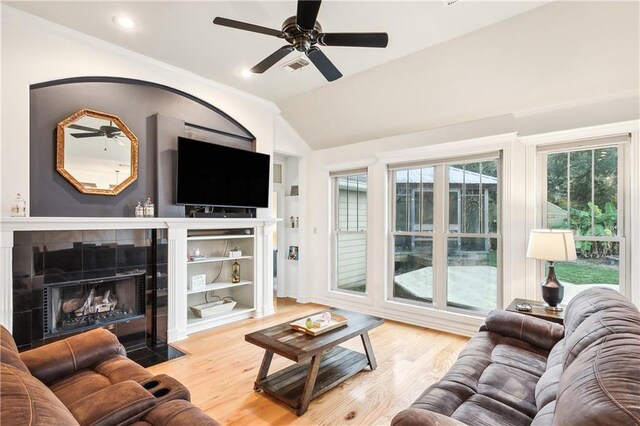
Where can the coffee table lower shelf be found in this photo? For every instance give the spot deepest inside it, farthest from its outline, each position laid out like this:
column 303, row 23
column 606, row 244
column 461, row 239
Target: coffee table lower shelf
column 336, row 366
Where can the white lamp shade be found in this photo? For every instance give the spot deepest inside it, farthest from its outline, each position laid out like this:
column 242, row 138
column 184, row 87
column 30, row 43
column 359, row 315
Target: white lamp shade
column 552, row 245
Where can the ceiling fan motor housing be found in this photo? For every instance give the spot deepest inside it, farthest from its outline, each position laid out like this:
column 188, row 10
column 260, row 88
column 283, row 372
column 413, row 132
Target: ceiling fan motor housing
column 301, row 39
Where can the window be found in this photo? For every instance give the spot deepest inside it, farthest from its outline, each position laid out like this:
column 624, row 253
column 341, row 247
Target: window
column 350, row 230
column 582, row 191
column 446, row 247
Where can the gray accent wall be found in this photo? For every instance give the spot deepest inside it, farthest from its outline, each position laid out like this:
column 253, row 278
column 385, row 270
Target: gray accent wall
column 138, row 105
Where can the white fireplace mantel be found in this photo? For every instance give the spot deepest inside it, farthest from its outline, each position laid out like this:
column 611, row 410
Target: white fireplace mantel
column 263, row 227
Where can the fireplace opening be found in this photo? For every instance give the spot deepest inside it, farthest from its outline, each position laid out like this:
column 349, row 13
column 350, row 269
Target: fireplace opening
column 81, row 305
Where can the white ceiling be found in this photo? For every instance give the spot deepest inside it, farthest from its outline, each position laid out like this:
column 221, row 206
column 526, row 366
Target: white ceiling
column 181, row 33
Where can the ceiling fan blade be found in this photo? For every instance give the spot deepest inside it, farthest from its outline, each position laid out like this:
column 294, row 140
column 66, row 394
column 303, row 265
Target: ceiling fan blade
column 354, row 39
column 324, row 65
column 272, row 59
column 247, row 27
column 307, row 13
column 85, row 128
column 86, row 135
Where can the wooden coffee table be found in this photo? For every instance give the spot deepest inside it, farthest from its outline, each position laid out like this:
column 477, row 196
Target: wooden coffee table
column 320, row 363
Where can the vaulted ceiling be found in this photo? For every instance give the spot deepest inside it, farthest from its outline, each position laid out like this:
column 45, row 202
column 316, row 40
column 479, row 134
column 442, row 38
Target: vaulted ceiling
column 181, row 33
column 443, row 65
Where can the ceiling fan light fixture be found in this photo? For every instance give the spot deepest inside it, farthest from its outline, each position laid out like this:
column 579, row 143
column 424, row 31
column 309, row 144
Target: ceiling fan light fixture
column 126, row 22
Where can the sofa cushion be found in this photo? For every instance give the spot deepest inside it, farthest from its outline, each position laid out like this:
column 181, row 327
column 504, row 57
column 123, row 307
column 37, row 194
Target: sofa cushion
column 177, row 412
column 493, row 376
column 556, row 355
column 64, row 357
column 511, row 386
column 100, row 376
column 545, row 415
column 547, row 386
column 26, row 400
column 602, row 385
column 590, row 301
column 9, row 351
column 525, row 328
column 122, row 403
column 613, row 320
column 480, row 410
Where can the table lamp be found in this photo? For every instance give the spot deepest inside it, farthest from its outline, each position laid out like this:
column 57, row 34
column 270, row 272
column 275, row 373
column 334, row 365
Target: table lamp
column 553, row 246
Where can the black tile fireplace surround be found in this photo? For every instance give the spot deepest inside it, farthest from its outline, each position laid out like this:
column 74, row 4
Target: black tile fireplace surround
column 54, row 267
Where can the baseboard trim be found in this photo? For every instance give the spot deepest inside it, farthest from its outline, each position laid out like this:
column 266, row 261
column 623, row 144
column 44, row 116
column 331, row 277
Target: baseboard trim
column 445, row 321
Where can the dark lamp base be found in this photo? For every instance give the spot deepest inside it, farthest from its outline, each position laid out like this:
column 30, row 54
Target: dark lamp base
column 552, row 291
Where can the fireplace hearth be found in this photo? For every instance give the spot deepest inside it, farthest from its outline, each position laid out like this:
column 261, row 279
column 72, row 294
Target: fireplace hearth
column 78, row 305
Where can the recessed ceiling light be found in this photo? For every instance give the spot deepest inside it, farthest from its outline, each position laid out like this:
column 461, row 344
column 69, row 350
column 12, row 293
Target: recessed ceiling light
column 246, row 73
column 125, row 22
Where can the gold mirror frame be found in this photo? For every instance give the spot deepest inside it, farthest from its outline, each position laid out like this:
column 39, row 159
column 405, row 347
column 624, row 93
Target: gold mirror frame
column 60, row 152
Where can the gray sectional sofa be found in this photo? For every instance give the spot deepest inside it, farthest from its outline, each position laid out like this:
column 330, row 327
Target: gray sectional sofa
column 520, row 370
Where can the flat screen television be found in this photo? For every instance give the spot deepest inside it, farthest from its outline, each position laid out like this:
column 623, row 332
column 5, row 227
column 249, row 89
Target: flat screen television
column 216, row 175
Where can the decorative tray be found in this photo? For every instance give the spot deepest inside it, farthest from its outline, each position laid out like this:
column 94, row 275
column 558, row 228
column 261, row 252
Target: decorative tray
column 318, row 325
column 213, row 308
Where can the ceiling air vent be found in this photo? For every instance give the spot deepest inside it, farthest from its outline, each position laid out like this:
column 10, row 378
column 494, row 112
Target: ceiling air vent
column 296, row 64
column 449, row 2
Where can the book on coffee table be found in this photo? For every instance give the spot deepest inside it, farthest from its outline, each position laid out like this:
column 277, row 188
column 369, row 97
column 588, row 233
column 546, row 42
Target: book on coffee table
column 318, row 326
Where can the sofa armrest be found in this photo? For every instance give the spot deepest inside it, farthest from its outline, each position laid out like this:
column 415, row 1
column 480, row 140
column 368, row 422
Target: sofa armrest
column 64, row 357
column 122, row 403
column 420, row 417
column 178, row 412
column 535, row 331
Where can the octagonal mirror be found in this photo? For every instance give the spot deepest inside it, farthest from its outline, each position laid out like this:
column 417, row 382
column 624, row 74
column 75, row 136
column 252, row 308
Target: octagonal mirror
column 96, row 152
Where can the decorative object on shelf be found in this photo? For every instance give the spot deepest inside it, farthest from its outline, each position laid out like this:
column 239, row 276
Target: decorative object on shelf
column 149, row 209
column 294, row 190
column 212, row 308
column 293, row 253
column 293, row 221
column 103, row 140
column 297, row 222
column 139, row 210
column 235, row 272
column 198, row 282
column 552, row 246
column 320, row 323
column 235, row 252
column 19, row 206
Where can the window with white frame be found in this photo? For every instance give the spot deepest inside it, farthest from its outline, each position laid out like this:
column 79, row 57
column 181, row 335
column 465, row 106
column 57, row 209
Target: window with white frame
column 582, row 189
column 445, row 233
column 350, row 230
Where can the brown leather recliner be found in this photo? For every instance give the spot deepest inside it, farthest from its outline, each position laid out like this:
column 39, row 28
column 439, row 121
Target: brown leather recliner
column 87, row 380
column 520, row 370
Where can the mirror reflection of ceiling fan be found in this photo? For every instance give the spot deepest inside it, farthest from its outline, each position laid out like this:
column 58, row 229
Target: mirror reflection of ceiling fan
column 109, row 131
column 303, row 32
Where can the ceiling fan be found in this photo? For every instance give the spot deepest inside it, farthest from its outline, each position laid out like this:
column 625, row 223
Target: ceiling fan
column 110, row 131
column 304, row 33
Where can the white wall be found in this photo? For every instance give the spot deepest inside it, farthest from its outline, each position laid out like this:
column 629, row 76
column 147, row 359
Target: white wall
column 458, row 140
column 562, row 52
column 35, row 51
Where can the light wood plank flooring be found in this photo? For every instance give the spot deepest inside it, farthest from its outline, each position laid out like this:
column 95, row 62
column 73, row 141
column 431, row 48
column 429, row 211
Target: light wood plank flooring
column 221, row 368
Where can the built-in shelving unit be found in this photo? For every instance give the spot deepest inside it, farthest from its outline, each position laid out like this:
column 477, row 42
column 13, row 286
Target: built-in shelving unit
column 217, row 266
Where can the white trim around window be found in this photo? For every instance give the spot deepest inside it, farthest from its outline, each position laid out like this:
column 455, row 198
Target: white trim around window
column 630, row 173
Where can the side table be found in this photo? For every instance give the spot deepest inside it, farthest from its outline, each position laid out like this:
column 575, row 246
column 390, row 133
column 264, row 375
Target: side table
column 537, row 310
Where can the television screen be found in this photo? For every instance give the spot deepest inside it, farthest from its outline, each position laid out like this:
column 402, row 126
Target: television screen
column 216, row 175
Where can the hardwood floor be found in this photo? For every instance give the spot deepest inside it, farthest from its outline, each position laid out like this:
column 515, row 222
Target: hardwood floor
column 221, row 368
